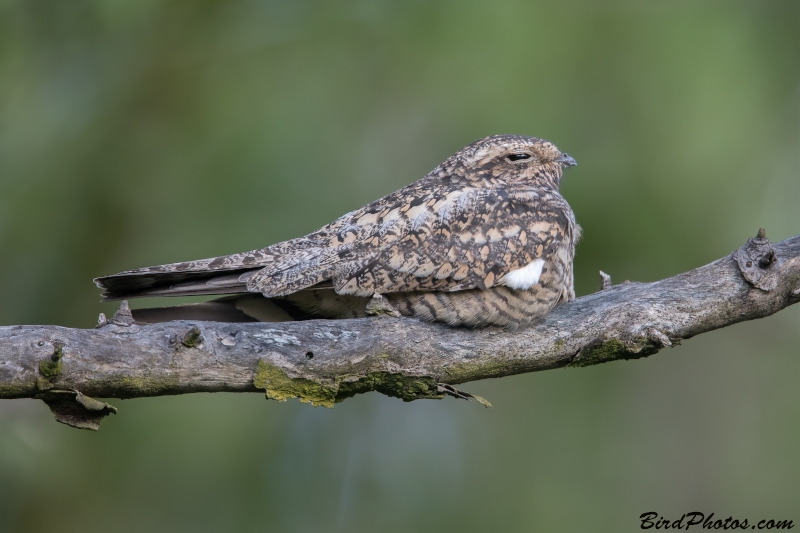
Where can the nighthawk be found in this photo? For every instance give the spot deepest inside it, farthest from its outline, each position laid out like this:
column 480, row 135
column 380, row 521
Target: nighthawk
column 484, row 239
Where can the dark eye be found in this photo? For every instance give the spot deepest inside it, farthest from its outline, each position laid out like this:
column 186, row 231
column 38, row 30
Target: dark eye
column 517, row 157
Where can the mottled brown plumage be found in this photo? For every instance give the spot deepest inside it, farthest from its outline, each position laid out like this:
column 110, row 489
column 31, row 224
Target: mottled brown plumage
column 484, row 239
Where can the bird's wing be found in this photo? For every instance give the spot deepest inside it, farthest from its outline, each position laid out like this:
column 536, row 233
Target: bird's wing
column 420, row 240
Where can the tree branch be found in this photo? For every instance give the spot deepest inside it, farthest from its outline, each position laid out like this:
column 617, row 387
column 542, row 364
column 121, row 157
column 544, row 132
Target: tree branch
column 327, row 361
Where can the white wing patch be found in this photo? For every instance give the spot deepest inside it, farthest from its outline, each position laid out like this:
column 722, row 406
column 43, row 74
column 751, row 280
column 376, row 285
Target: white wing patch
column 526, row 277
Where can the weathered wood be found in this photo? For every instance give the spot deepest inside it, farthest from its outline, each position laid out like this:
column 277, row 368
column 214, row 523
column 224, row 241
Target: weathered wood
column 326, row 361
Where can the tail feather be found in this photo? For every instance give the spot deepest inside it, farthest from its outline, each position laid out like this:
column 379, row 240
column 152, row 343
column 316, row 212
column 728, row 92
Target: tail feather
column 247, row 308
column 267, row 271
column 303, row 305
column 122, row 286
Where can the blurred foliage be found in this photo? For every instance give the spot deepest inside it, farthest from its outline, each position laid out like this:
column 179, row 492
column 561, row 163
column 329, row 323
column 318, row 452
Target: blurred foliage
column 143, row 132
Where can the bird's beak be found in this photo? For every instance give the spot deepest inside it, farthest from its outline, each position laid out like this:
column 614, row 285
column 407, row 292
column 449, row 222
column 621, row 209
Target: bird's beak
column 566, row 160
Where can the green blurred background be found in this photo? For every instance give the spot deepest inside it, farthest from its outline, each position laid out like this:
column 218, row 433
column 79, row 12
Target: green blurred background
column 138, row 132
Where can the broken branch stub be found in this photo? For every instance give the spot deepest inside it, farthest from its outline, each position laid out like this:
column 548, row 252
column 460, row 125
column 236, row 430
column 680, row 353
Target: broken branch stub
column 756, row 260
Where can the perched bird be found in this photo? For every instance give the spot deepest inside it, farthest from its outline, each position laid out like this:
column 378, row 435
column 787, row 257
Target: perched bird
column 484, row 239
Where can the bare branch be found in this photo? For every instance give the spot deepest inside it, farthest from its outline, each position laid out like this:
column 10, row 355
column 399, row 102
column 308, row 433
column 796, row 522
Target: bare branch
column 327, row 361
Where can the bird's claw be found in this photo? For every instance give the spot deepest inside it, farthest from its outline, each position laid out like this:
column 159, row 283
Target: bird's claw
column 380, row 306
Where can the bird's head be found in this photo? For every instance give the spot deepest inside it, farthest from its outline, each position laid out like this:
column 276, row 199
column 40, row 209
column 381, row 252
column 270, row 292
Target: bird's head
column 511, row 159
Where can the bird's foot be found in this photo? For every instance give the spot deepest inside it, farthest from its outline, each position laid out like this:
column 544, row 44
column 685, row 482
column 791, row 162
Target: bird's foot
column 380, row 306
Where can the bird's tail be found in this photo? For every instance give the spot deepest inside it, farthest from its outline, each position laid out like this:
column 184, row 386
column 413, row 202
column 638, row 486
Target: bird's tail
column 302, row 305
column 238, row 308
column 217, row 275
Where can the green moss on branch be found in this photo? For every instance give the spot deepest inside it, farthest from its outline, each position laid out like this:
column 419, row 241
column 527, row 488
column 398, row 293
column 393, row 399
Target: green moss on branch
column 52, row 366
column 279, row 386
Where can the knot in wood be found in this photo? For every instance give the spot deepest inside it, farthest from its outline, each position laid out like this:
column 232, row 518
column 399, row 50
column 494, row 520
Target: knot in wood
column 756, row 261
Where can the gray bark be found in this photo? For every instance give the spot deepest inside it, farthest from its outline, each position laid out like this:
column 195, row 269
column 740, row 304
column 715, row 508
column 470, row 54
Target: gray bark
column 326, row 361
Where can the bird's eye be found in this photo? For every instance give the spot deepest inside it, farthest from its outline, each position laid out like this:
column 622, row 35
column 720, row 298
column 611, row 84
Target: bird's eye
column 518, row 157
